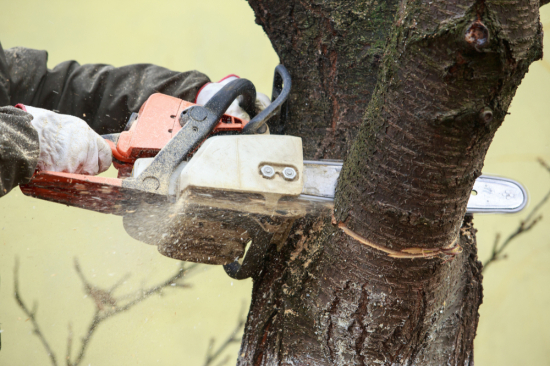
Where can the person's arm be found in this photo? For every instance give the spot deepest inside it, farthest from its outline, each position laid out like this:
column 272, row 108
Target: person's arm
column 32, row 138
column 102, row 95
column 19, row 148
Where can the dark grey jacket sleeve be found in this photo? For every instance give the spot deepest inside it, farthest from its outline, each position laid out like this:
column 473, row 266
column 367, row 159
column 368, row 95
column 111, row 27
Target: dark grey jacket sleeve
column 104, row 96
column 19, row 148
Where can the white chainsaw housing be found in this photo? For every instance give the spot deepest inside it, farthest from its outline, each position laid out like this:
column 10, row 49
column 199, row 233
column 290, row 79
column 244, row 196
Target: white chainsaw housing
column 225, row 169
column 233, row 163
column 220, row 199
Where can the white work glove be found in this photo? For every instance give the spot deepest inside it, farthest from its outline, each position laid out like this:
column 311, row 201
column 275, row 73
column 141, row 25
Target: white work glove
column 235, row 110
column 68, row 144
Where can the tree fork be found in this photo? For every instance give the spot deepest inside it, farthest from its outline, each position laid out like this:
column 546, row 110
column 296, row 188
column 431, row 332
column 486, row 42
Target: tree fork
column 333, row 50
column 446, row 77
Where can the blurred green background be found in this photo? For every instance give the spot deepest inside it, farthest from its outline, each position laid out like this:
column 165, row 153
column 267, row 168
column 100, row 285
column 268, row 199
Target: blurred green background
column 219, row 37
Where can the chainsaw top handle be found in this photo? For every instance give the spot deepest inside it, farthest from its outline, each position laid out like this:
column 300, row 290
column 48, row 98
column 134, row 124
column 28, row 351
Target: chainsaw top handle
column 219, row 103
column 281, row 89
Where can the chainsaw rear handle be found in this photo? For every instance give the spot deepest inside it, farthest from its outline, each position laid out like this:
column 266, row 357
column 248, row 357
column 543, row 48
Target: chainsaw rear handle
column 214, row 108
column 197, row 123
column 281, row 89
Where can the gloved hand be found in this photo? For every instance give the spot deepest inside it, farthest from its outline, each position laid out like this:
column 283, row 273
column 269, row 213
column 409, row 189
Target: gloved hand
column 68, row 144
column 235, row 110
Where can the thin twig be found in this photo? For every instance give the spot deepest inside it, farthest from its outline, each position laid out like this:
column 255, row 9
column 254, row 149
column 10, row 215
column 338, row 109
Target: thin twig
column 524, row 226
column 544, row 164
column 69, row 345
column 211, row 356
column 31, row 314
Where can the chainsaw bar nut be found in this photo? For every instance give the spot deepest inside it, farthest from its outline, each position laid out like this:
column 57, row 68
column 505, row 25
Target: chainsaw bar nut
column 289, row 173
column 267, row 171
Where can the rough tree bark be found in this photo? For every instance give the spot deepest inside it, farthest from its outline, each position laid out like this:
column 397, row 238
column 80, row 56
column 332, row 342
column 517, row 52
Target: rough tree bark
column 410, row 93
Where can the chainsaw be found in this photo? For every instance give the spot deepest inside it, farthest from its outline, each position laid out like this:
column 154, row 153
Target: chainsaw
column 211, row 188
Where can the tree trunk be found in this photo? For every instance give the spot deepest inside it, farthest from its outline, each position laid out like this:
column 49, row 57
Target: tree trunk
column 411, row 94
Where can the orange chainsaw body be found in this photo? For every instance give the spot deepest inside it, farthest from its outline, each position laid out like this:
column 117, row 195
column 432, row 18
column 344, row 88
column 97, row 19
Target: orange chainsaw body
column 156, row 124
column 202, row 224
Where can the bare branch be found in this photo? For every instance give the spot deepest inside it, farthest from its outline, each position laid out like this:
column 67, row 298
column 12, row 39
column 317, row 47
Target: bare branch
column 542, row 162
column 69, row 345
column 86, row 340
column 103, row 312
column 31, row 314
column 211, row 356
column 101, row 297
column 524, row 226
column 106, row 303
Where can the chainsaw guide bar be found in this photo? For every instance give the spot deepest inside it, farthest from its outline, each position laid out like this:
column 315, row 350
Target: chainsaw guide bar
column 489, row 195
